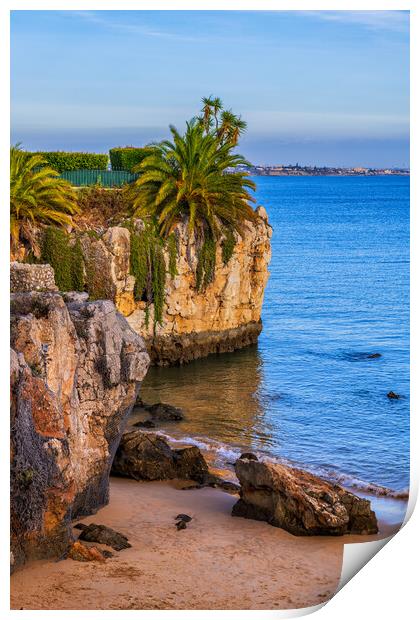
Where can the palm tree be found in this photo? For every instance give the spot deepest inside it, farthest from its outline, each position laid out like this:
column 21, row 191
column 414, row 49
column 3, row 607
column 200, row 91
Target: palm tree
column 212, row 106
column 187, row 178
column 238, row 128
column 37, row 196
column 231, row 127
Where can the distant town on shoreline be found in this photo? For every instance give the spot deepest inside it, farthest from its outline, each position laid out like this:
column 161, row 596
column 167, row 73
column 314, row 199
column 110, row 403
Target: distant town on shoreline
column 297, row 170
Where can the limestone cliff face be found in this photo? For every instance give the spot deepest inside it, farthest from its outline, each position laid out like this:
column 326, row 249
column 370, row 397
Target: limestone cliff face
column 76, row 369
column 223, row 317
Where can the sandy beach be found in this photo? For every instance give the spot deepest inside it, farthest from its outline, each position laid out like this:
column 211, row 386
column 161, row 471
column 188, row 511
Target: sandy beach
column 218, row 562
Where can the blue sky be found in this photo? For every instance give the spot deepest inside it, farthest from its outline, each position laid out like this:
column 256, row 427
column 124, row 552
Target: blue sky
column 317, row 87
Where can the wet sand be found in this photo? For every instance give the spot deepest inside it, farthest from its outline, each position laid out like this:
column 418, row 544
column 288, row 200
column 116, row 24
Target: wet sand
column 218, row 562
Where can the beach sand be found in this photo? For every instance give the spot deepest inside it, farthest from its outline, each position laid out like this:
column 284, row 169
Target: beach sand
column 218, row 562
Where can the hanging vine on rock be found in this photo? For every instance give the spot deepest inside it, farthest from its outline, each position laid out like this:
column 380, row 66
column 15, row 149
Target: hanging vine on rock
column 228, row 245
column 172, row 247
column 206, row 263
column 147, row 265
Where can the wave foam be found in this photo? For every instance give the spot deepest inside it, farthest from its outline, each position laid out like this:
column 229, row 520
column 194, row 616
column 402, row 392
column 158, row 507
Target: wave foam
column 225, row 455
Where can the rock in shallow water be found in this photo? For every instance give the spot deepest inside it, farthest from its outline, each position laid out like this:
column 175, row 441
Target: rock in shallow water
column 300, row 502
column 164, row 412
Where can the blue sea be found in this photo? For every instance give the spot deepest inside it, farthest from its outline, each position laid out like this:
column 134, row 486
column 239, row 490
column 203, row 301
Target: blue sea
column 310, row 393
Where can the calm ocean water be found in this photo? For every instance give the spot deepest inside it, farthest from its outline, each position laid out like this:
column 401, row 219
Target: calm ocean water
column 338, row 292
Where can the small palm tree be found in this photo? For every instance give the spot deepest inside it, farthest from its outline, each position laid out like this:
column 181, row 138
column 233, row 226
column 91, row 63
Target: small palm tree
column 37, row 196
column 187, row 178
column 212, row 107
column 231, row 127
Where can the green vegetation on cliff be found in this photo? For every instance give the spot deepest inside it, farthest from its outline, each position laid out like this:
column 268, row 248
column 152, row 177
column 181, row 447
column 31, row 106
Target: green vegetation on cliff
column 65, row 258
column 37, row 197
column 147, row 265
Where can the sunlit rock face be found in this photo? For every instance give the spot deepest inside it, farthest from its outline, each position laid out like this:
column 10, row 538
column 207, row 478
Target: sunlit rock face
column 298, row 501
column 223, row 317
column 76, row 370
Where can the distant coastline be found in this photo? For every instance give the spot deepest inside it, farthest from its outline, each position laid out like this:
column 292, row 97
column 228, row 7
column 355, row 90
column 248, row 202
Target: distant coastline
column 297, row 170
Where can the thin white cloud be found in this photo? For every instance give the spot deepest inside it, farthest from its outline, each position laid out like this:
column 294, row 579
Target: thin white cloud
column 397, row 21
column 136, row 29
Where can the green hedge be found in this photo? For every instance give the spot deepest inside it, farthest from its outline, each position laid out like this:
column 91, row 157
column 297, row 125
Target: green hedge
column 125, row 158
column 62, row 161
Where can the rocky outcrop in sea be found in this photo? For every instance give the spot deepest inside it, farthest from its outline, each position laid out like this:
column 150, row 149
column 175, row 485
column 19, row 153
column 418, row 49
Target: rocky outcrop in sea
column 225, row 316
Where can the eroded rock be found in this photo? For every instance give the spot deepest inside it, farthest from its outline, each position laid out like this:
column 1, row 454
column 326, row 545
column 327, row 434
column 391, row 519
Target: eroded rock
column 75, row 374
column 83, row 553
column 103, row 535
column 147, row 456
column 299, row 502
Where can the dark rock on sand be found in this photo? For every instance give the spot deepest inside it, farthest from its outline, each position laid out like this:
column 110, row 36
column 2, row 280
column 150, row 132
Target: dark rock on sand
column 104, row 535
column 300, row 502
column 183, row 517
column 147, row 456
column 393, row 395
column 181, row 525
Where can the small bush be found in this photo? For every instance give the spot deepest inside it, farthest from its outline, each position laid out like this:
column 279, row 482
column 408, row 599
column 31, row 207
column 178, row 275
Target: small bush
column 98, row 206
column 62, row 160
column 67, row 261
column 125, row 158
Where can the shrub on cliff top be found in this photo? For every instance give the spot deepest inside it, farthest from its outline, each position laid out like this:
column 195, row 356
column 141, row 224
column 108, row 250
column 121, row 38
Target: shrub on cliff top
column 61, row 160
column 100, row 207
column 37, row 196
column 125, row 158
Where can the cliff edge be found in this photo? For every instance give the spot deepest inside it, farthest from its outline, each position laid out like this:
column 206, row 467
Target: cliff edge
column 76, row 369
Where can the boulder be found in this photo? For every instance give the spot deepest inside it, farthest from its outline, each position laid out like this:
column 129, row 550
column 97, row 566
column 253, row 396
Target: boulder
column 300, row 502
column 76, row 370
column 83, row 553
column 249, row 455
column 147, row 456
column 103, row 535
column 164, row 412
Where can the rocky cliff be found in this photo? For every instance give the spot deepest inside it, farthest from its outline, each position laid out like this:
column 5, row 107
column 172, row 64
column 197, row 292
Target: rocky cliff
column 76, row 368
column 222, row 317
